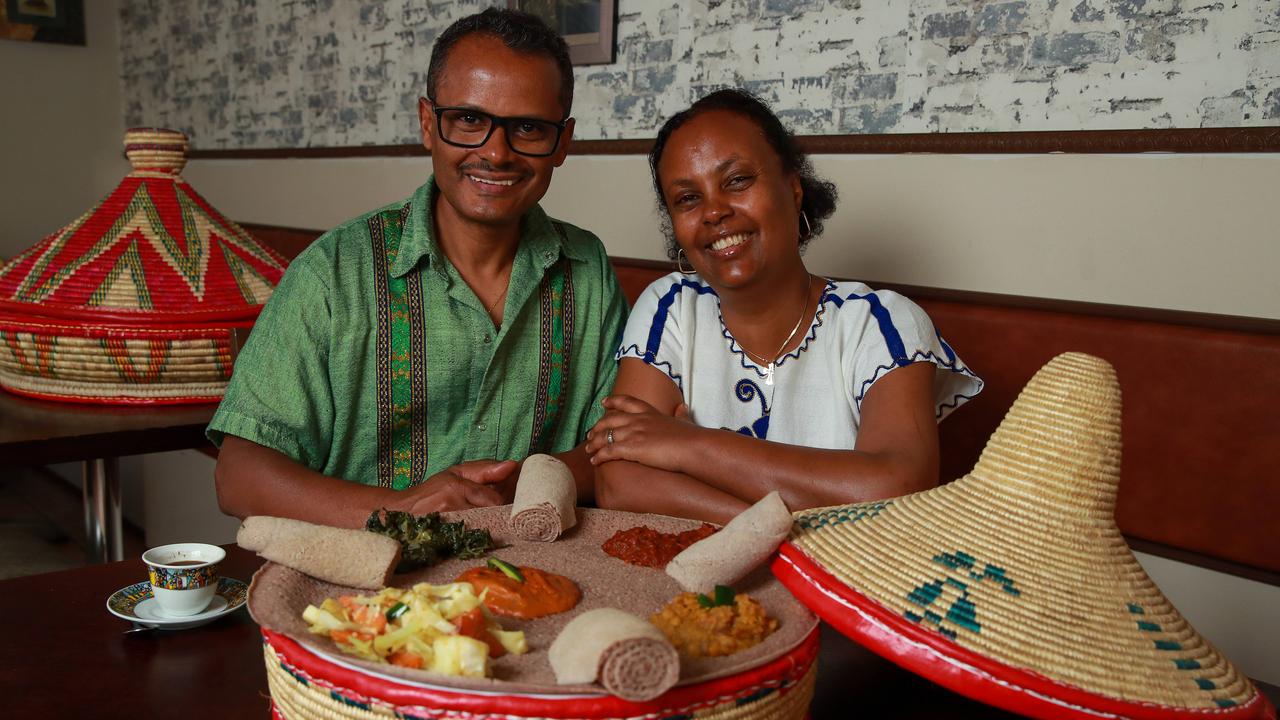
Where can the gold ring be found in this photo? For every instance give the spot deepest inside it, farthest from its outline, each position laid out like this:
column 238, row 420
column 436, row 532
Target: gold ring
column 608, row 437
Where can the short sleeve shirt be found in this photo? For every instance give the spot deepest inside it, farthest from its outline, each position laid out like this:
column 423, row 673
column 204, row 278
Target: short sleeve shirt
column 855, row 338
column 312, row 381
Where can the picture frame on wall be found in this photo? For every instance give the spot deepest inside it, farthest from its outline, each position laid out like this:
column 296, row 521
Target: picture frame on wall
column 52, row 21
column 586, row 25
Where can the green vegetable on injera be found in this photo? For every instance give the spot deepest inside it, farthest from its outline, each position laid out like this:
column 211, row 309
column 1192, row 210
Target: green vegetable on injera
column 426, row 540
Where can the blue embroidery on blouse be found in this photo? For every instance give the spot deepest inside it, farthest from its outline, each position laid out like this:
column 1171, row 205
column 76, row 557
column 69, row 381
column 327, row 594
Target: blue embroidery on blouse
column 650, row 353
column 664, row 309
column 930, row 357
column 892, row 338
column 814, row 324
column 746, row 390
column 951, row 354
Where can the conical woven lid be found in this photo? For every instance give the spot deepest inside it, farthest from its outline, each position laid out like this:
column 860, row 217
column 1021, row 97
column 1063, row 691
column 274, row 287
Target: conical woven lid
column 153, row 251
column 1013, row 585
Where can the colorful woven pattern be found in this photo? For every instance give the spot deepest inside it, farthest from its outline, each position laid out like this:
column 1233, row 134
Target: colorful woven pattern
column 1013, row 585
column 307, row 686
column 134, row 302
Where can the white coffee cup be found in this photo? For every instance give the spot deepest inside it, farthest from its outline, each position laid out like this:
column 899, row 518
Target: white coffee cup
column 184, row 576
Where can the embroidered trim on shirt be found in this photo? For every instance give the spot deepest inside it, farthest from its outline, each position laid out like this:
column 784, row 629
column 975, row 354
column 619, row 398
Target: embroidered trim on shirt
column 555, row 346
column 922, row 356
column 381, row 266
column 401, row 359
column 812, row 335
column 418, row 368
column 892, row 338
column 654, row 340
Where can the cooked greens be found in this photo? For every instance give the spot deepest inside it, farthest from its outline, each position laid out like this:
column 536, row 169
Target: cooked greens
column 427, row 539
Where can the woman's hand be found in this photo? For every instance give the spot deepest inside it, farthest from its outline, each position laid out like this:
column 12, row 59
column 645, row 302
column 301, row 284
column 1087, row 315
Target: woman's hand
column 642, row 434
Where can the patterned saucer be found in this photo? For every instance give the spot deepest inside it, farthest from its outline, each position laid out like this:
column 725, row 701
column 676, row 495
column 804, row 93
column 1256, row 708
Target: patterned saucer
column 136, row 604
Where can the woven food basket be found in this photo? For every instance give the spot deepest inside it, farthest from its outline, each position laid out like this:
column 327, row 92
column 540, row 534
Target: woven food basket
column 309, row 677
column 308, row 686
column 1013, row 585
column 136, row 301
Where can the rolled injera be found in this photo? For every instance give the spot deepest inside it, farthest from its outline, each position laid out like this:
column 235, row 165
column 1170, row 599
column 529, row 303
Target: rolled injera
column 626, row 654
column 741, row 546
column 544, row 503
column 355, row 558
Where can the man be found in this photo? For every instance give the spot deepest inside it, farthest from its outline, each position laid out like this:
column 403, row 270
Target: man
column 410, row 355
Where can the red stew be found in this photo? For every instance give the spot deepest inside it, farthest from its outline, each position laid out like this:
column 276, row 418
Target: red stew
column 541, row 593
column 647, row 547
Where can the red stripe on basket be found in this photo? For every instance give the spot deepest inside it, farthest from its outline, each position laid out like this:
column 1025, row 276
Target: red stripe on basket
column 42, row 363
column 157, row 356
column 980, row 678
column 786, row 670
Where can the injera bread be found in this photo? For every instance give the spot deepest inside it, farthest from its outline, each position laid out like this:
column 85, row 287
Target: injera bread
column 545, row 497
column 278, row 596
column 618, row 650
column 745, row 543
column 357, row 558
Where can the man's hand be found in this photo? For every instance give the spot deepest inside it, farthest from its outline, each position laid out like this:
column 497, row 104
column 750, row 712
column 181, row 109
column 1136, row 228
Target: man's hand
column 641, row 434
column 465, row 485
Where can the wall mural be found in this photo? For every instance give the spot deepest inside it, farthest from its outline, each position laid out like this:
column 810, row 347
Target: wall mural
column 242, row 74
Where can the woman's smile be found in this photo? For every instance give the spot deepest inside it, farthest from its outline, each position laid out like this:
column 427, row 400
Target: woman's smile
column 728, row 242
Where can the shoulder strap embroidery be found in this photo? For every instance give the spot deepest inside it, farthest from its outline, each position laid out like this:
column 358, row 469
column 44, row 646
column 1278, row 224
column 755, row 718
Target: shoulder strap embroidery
column 555, row 345
column 401, row 359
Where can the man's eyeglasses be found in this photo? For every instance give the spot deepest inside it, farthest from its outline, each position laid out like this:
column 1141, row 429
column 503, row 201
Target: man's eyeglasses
column 470, row 128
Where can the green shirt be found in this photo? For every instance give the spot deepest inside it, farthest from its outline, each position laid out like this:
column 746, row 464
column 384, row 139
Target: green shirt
column 308, row 381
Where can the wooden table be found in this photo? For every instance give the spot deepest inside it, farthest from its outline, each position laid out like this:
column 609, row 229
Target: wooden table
column 65, row 656
column 37, row 432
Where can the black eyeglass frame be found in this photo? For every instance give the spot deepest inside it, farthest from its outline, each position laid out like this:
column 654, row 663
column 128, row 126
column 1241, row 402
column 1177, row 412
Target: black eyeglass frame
column 494, row 121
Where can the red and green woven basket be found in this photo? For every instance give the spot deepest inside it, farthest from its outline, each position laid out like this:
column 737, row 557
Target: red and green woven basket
column 136, row 301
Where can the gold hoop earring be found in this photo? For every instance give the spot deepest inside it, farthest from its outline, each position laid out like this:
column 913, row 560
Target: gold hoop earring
column 680, row 260
column 808, row 229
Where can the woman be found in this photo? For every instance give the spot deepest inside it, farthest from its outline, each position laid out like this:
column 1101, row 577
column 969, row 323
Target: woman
column 750, row 374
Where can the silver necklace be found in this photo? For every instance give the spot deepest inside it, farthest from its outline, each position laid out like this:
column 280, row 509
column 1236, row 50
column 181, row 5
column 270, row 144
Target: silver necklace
column 777, row 355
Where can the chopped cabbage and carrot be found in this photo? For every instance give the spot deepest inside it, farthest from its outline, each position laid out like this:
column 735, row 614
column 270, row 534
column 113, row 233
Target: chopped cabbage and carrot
column 441, row 628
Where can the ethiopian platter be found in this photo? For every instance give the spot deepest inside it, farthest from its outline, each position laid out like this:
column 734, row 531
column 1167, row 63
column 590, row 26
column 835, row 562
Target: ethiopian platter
column 337, row 650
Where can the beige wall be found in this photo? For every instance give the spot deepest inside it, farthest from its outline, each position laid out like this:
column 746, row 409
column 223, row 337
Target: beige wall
column 61, row 129
column 1184, row 232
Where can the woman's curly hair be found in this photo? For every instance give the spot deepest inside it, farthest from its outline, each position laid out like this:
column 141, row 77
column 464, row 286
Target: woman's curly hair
column 820, row 196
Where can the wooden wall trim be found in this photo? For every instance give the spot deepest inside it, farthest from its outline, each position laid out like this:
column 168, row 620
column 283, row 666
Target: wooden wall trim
column 1189, row 140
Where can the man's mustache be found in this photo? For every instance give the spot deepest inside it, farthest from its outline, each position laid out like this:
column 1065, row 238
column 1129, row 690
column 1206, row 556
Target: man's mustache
column 485, row 166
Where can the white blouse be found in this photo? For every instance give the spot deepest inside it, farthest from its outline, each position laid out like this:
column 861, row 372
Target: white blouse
column 856, row 337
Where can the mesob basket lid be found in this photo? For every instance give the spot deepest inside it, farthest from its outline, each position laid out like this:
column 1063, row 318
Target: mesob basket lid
column 153, row 251
column 1013, row 585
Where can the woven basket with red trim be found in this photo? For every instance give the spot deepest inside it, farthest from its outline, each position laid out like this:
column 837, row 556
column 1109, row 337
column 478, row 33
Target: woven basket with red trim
column 308, row 686
column 135, row 301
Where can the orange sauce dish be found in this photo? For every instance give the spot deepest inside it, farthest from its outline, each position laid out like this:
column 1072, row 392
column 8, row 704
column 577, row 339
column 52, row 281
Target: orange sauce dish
column 542, row 593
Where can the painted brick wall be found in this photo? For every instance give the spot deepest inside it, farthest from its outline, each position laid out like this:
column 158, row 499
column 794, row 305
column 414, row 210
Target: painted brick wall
column 284, row 73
